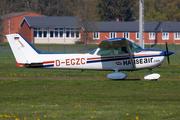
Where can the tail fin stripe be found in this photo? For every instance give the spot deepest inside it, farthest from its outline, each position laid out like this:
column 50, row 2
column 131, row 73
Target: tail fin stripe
column 31, row 45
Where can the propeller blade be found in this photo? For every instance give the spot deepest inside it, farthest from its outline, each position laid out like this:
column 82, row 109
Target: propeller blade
column 167, row 48
column 167, row 53
column 168, row 60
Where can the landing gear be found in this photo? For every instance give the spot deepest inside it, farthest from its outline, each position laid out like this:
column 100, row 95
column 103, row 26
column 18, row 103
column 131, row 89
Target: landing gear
column 152, row 76
column 117, row 75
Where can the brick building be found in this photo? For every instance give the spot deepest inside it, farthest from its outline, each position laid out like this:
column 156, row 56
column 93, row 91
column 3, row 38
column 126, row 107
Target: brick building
column 12, row 21
column 64, row 30
column 154, row 32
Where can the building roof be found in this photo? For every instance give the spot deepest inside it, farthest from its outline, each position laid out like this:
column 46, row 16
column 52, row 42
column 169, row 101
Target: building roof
column 51, row 21
column 15, row 14
column 134, row 26
column 102, row 26
column 168, row 26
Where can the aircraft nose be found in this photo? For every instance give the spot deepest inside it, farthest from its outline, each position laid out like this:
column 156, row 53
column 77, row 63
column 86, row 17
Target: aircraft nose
column 169, row 53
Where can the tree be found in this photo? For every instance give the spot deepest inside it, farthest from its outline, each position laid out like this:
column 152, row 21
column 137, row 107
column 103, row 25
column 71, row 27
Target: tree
column 109, row 10
column 86, row 10
column 2, row 8
column 161, row 10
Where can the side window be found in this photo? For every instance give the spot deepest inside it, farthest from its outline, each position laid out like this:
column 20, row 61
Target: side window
column 123, row 50
column 105, row 52
column 120, row 50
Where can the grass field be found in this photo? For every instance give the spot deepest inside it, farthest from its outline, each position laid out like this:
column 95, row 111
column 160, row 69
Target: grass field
column 45, row 94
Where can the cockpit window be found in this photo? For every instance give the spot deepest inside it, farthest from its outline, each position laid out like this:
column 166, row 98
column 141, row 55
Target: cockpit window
column 123, row 50
column 120, row 50
column 104, row 52
column 93, row 51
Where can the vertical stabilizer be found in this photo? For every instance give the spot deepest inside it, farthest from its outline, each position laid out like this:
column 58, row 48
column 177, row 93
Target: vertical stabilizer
column 23, row 51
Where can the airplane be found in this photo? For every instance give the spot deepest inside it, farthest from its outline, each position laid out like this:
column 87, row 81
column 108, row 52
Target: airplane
column 116, row 54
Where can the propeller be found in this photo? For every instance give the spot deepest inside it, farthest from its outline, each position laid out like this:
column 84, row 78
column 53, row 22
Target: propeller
column 167, row 53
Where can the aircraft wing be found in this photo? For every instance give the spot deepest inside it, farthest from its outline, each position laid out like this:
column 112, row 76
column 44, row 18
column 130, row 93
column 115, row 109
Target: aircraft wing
column 114, row 43
column 118, row 42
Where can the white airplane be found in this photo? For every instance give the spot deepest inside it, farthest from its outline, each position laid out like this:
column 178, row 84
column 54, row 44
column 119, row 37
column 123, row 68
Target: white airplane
column 117, row 54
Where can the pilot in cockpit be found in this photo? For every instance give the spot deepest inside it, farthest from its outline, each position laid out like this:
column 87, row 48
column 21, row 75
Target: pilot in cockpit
column 123, row 50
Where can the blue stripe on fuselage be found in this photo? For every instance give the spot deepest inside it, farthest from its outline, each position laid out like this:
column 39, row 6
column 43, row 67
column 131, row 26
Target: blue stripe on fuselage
column 52, row 65
column 123, row 58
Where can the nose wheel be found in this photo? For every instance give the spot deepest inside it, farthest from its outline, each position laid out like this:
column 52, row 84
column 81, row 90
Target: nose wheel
column 152, row 76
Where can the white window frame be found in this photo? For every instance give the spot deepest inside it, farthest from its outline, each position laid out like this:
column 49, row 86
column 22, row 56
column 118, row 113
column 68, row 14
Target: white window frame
column 41, row 30
column 165, row 36
column 77, row 30
column 152, row 35
column 96, row 35
column 111, row 34
column 137, row 35
column 61, row 30
column 177, row 35
column 56, row 30
column 126, row 35
column 50, row 33
column 73, row 30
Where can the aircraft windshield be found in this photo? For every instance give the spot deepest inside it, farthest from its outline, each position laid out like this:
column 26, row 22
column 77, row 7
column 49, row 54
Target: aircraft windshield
column 93, row 51
column 120, row 50
column 135, row 47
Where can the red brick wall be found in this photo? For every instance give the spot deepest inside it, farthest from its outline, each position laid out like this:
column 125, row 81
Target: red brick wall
column 158, row 39
column 14, row 24
column 26, row 32
column 5, row 29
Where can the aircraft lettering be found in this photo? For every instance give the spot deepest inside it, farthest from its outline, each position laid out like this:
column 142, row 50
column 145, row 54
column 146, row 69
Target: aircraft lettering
column 77, row 62
column 138, row 61
column 67, row 62
column 156, row 60
column 127, row 62
column 57, row 62
column 73, row 61
column 83, row 59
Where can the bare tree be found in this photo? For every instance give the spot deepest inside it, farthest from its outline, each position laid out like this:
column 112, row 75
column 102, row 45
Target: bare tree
column 87, row 11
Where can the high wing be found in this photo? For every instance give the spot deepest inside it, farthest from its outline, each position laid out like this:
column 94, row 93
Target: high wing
column 114, row 43
column 118, row 42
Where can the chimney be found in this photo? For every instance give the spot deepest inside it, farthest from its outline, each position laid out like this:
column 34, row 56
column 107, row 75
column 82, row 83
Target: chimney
column 117, row 19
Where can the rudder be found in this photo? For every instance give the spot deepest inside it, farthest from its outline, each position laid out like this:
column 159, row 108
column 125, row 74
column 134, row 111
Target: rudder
column 23, row 51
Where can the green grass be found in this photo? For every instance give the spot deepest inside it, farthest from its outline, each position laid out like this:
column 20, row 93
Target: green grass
column 32, row 94
column 94, row 99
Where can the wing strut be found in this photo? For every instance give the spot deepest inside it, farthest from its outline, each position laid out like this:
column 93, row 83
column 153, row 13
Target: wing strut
column 130, row 54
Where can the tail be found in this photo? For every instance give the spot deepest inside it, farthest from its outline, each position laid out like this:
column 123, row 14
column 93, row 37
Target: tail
column 23, row 51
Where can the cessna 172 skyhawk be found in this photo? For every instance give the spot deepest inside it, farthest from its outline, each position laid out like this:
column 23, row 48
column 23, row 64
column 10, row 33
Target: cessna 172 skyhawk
column 117, row 54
